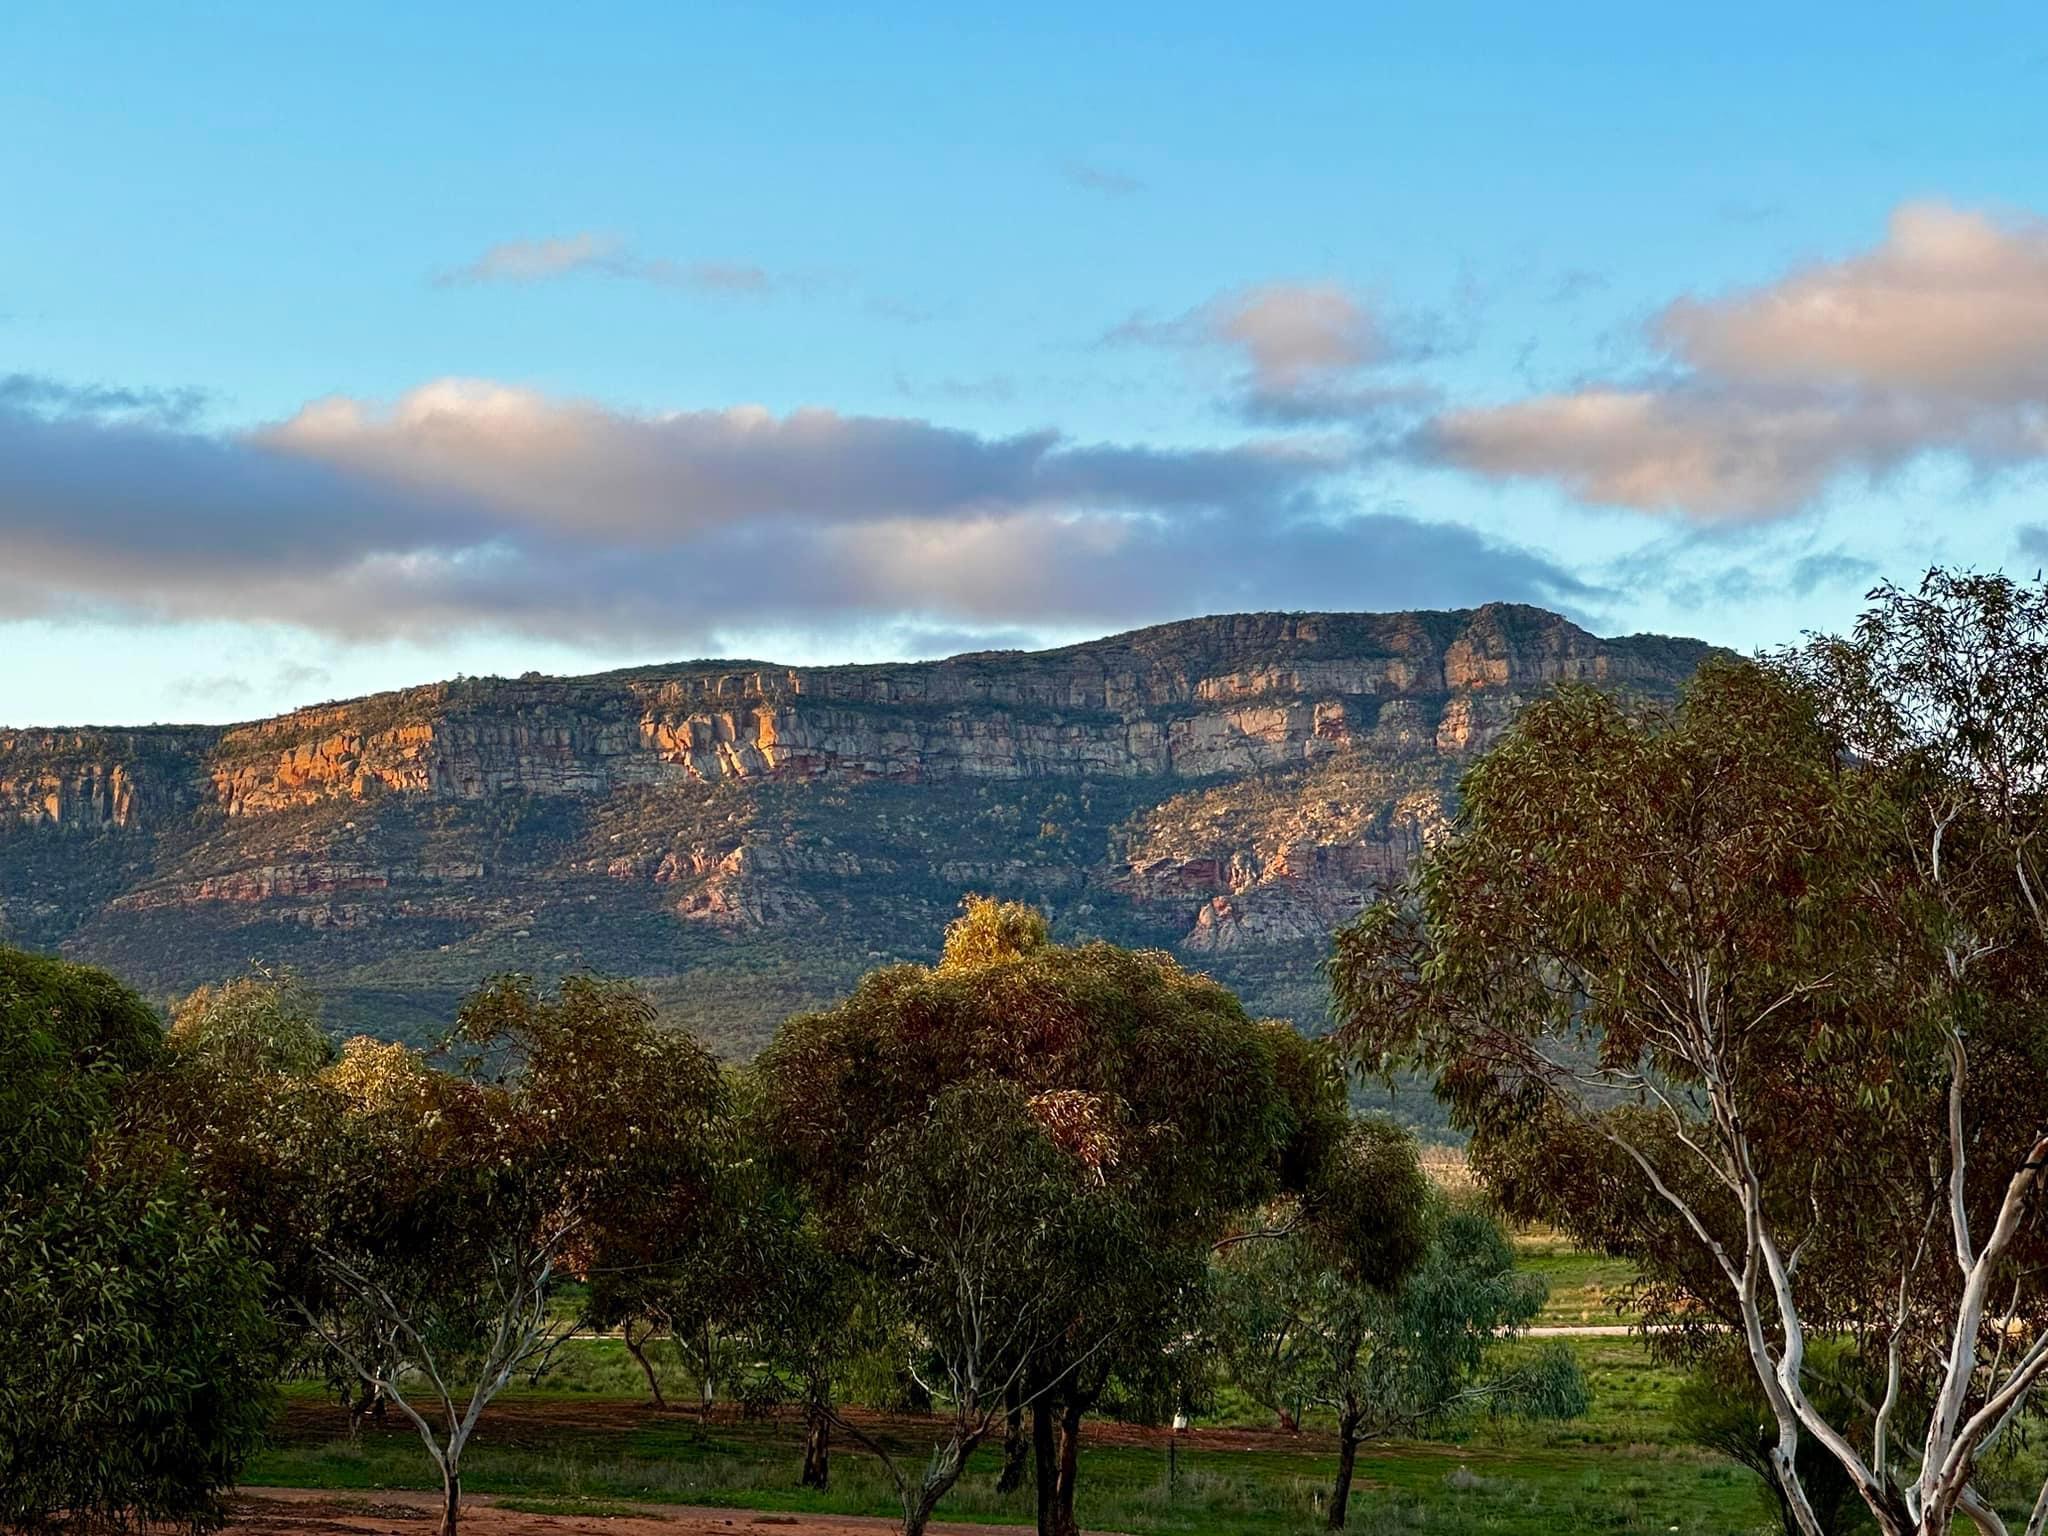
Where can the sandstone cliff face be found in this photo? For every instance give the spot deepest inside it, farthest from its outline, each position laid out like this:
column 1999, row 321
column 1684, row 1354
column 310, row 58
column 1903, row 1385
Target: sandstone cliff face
column 1220, row 696
column 94, row 780
column 1229, row 785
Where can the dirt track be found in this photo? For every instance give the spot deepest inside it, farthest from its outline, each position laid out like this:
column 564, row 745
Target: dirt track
column 308, row 1512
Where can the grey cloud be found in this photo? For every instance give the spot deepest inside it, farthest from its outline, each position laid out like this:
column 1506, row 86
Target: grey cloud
column 1831, row 568
column 476, row 507
column 1714, row 566
column 217, row 688
column 997, row 387
column 37, row 392
column 1379, row 411
column 568, row 466
column 1576, row 284
column 296, row 675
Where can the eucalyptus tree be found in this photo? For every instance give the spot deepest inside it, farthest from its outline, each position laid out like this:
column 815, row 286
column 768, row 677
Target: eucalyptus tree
column 1751, row 989
column 136, row 1359
column 418, row 1220
column 240, row 1091
column 967, row 1217
column 1300, row 1328
column 1151, row 1082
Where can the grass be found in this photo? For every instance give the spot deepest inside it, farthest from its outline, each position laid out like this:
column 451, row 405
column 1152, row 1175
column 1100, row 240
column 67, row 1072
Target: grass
column 1504, row 1488
column 585, row 1442
column 1586, row 1289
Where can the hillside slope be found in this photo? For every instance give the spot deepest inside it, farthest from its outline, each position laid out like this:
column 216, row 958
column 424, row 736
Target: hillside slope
column 749, row 838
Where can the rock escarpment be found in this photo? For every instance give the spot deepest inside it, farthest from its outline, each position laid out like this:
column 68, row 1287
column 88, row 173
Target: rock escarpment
column 1230, row 785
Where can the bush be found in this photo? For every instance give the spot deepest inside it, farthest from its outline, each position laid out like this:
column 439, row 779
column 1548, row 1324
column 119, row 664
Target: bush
column 135, row 1359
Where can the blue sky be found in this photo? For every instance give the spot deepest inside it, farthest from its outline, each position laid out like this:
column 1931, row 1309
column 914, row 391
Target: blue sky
column 345, row 347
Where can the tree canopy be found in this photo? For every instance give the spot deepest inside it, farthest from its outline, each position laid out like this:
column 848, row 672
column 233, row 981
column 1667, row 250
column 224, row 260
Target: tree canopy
column 136, row 1361
column 1748, row 990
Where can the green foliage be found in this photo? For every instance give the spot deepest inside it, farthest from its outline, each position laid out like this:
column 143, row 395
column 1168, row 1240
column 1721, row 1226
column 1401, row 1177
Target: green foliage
column 135, row 1355
column 136, row 1360
column 1749, row 991
column 1297, row 1334
column 1721, row 1408
column 68, row 1036
column 259, row 1023
column 981, row 1230
column 1602, row 856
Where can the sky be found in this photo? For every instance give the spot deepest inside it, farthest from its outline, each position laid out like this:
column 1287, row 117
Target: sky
column 344, row 347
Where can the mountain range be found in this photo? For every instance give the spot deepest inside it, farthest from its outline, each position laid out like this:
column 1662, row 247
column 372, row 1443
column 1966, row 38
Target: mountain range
column 747, row 839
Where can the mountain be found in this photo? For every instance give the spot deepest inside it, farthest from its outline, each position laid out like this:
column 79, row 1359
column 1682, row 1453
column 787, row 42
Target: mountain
column 749, row 838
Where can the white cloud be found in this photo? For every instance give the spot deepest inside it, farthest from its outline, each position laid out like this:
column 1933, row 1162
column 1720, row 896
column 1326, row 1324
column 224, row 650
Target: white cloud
column 1302, row 350
column 1284, row 333
column 1935, row 341
column 1952, row 304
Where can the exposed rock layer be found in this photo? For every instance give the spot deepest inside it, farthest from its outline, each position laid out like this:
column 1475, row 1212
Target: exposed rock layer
column 1235, row 783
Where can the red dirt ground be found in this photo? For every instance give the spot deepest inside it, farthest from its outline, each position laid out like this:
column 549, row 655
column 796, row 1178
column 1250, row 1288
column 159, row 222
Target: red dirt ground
column 310, row 1512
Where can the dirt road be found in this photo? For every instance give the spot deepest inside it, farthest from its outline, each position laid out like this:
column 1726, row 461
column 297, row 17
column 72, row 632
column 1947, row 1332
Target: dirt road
column 315, row 1512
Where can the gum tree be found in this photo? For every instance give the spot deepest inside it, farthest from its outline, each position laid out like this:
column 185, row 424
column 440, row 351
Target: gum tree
column 966, row 1216
column 1299, row 1327
column 1749, row 989
column 1151, row 1081
column 578, row 1132
column 136, row 1359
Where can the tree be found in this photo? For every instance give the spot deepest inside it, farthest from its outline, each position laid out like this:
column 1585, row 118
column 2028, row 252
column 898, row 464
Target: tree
column 1720, row 1407
column 241, row 1091
column 135, row 1366
column 1151, row 1080
column 808, row 1310
column 959, row 1213
column 1299, row 1328
column 1749, row 989
column 578, row 1132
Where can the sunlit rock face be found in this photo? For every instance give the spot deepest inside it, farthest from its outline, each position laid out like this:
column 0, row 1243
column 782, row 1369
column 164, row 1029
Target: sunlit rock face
column 1231, row 786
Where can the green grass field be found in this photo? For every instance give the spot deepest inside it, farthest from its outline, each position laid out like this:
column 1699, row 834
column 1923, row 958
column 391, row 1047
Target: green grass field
column 1586, row 1289
column 586, row 1440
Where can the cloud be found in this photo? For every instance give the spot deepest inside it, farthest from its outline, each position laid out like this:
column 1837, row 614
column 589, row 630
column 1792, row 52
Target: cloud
column 1714, row 567
column 1952, row 304
column 1935, row 341
column 1096, row 178
column 39, row 393
column 470, row 505
column 1284, row 332
column 1301, row 349
column 572, row 466
column 229, row 689
column 1575, row 283
column 216, row 688
column 535, row 261
column 995, row 387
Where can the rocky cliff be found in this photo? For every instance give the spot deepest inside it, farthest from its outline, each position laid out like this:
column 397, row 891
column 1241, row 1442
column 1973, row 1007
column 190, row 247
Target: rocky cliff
column 749, row 837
